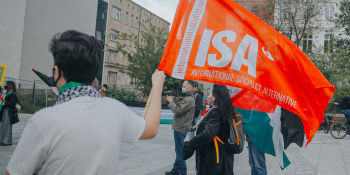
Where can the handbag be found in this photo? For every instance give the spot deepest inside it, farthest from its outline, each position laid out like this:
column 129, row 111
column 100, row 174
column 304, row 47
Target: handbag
column 18, row 107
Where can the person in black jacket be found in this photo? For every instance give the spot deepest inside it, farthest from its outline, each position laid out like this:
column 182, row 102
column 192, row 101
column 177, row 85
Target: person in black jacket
column 8, row 114
column 212, row 134
column 199, row 106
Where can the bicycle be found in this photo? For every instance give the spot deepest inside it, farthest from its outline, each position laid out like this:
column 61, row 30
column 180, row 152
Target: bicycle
column 325, row 126
column 338, row 129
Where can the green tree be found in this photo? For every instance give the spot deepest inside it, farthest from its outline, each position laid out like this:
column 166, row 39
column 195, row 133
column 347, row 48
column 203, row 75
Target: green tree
column 341, row 56
column 297, row 18
column 336, row 66
column 146, row 58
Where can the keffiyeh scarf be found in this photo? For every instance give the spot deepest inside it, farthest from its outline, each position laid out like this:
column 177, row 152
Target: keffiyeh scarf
column 77, row 91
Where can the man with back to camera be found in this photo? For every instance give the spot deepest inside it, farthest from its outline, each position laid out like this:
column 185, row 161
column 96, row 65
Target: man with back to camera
column 82, row 133
column 182, row 123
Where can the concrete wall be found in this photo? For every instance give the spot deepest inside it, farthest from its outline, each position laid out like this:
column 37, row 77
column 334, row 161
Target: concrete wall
column 12, row 14
column 43, row 19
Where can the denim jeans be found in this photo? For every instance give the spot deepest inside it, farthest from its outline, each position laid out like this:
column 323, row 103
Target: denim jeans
column 257, row 161
column 191, row 135
column 179, row 164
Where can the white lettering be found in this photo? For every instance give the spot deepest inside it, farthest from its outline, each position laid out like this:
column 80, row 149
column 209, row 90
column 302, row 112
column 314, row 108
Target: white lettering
column 222, row 48
column 203, row 48
column 250, row 62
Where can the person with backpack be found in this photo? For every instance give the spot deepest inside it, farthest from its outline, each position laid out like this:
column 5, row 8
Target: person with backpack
column 211, row 142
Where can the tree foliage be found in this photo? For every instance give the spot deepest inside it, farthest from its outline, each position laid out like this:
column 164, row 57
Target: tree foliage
column 336, row 66
column 341, row 56
column 296, row 18
column 146, row 58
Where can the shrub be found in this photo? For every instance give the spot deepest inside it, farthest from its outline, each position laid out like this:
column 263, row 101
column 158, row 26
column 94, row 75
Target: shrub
column 122, row 95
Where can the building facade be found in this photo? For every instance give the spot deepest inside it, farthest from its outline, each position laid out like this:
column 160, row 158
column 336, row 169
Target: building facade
column 320, row 30
column 27, row 26
column 264, row 9
column 125, row 17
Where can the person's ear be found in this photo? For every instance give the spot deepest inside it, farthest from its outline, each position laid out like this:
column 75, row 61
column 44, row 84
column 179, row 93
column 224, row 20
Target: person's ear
column 56, row 73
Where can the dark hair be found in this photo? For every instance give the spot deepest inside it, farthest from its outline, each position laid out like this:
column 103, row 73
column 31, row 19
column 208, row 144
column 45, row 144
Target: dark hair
column 195, row 84
column 11, row 85
column 105, row 86
column 192, row 83
column 223, row 101
column 77, row 55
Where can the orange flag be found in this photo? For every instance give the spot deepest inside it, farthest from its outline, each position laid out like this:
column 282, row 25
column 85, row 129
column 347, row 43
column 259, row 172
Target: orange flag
column 219, row 41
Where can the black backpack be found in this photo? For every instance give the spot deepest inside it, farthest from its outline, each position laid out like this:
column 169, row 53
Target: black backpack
column 235, row 143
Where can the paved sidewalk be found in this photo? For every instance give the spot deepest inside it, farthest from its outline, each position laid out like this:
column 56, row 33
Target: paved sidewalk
column 324, row 156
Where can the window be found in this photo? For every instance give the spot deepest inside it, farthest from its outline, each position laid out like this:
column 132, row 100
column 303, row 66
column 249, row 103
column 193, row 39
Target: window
column 112, row 56
column 328, row 43
column 307, row 43
column 255, row 10
column 114, row 35
column 116, row 13
column 131, row 20
column 137, row 21
column 126, row 18
column 112, row 78
column 121, row 58
column 98, row 35
column 329, row 11
column 127, row 79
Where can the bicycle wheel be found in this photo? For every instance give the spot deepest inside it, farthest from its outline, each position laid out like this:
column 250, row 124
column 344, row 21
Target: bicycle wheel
column 338, row 130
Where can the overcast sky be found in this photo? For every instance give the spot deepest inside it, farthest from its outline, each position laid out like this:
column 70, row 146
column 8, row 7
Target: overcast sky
column 163, row 8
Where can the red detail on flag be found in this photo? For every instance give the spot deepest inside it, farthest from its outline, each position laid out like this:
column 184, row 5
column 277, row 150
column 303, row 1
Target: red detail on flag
column 205, row 112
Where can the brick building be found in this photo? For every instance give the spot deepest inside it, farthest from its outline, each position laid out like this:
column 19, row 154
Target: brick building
column 264, row 9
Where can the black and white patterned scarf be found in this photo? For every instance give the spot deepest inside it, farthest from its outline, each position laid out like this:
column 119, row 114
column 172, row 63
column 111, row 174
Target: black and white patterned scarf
column 77, row 91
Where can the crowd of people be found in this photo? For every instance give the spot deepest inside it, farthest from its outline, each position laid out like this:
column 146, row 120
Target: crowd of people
column 83, row 132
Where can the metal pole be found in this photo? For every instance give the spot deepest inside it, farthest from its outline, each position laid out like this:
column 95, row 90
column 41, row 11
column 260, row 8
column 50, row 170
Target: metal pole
column 33, row 96
column 46, row 97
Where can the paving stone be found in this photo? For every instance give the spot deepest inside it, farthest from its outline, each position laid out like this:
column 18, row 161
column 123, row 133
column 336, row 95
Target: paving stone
column 323, row 156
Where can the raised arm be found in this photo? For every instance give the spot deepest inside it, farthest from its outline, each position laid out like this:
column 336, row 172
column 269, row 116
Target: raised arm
column 153, row 106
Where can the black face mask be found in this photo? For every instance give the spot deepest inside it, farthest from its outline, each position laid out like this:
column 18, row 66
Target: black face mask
column 53, row 77
column 5, row 87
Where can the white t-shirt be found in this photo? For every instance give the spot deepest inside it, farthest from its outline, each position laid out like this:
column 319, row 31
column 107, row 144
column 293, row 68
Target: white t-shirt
column 81, row 136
